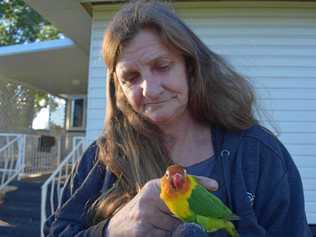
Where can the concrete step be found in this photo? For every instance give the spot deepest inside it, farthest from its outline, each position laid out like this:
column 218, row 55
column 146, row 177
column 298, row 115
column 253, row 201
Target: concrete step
column 20, row 221
column 16, row 197
column 21, row 210
column 20, row 231
column 27, row 185
column 24, row 192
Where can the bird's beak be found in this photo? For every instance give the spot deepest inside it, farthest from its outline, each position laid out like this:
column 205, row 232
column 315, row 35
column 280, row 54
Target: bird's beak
column 177, row 180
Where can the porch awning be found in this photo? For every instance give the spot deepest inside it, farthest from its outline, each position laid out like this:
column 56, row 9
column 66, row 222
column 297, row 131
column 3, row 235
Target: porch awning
column 56, row 66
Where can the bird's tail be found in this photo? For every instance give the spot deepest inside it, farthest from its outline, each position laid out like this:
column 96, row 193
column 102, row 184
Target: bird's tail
column 230, row 229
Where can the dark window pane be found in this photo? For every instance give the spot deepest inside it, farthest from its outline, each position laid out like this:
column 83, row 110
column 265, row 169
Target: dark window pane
column 77, row 119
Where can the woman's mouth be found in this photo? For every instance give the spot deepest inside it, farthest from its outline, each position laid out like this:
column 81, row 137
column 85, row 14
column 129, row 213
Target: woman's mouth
column 160, row 101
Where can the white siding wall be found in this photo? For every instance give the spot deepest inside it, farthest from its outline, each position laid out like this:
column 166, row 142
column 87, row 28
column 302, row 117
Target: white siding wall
column 97, row 75
column 274, row 44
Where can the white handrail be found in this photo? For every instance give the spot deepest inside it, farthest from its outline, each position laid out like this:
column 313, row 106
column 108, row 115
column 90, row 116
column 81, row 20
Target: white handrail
column 11, row 160
column 9, row 144
column 10, row 134
column 55, row 184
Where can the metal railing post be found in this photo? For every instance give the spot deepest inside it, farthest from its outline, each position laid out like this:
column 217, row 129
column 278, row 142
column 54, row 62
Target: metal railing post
column 21, row 159
column 58, row 150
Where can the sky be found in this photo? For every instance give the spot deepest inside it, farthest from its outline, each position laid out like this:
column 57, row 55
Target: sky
column 41, row 120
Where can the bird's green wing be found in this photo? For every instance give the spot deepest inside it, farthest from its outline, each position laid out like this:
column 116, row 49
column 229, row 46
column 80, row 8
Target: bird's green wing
column 204, row 203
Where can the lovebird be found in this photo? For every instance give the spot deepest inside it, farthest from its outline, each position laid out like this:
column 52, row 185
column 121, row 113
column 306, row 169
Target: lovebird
column 191, row 202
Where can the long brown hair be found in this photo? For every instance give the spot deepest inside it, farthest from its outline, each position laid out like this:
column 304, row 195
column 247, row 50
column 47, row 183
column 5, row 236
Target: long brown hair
column 133, row 148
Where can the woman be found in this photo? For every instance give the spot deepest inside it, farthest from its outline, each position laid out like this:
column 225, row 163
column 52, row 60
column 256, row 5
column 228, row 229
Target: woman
column 172, row 100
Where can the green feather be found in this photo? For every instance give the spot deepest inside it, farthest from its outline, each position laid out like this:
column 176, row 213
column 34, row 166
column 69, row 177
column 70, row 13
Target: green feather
column 204, row 203
column 209, row 211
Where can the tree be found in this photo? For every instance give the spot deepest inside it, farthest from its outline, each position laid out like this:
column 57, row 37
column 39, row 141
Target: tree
column 20, row 24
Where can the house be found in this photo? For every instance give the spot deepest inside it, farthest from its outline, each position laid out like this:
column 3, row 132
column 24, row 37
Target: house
column 273, row 43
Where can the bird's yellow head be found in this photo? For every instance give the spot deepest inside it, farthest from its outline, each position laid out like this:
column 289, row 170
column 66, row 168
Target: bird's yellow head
column 175, row 180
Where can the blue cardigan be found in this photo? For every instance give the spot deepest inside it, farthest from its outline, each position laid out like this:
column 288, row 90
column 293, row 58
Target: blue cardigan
column 257, row 179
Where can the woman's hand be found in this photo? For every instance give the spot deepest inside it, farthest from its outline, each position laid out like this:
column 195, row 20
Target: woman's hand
column 145, row 215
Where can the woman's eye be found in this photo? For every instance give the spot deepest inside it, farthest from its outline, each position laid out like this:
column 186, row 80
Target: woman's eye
column 163, row 67
column 130, row 80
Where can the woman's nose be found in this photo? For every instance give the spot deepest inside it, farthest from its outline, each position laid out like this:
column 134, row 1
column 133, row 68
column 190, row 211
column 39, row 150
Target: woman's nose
column 151, row 87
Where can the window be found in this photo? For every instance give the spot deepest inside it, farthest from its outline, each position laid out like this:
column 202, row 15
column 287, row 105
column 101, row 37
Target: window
column 77, row 113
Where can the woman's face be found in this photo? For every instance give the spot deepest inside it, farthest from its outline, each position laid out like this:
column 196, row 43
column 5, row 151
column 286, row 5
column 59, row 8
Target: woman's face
column 153, row 78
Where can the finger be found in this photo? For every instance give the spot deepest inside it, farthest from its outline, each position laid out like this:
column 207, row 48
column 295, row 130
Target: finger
column 210, row 184
column 189, row 229
column 163, row 221
column 162, row 207
column 158, row 233
column 155, row 186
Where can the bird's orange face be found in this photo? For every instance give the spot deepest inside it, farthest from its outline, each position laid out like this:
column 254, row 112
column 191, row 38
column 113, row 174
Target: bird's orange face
column 176, row 176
